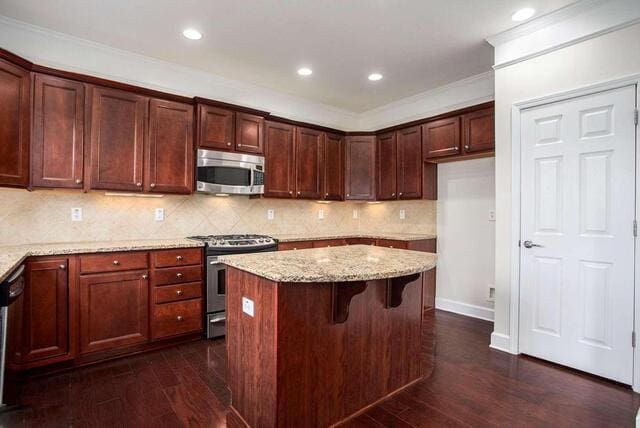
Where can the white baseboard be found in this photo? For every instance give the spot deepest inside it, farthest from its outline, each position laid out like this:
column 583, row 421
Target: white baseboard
column 466, row 309
column 501, row 342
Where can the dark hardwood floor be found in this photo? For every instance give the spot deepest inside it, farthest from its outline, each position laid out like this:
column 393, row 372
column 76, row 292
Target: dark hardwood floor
column 471, row 385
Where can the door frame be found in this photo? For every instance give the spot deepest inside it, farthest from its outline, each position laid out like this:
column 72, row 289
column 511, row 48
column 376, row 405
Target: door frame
column 516, row 112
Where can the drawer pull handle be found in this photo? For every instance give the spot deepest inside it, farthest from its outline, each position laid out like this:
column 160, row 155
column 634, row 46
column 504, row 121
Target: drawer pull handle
column 179, row 293
column 178, row 275
column 145, row 276
column 116, row 262
column 179, row 258
column 179, row 318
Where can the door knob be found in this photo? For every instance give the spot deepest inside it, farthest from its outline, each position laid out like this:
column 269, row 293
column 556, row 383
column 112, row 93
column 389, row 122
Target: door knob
column 529, row 244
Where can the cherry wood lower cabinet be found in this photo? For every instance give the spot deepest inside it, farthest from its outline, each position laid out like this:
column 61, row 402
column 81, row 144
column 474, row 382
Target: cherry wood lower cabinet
column 15, row 113
column 291, row 364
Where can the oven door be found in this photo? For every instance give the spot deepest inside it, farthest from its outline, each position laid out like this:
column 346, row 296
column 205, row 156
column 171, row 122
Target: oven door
column 216, row 284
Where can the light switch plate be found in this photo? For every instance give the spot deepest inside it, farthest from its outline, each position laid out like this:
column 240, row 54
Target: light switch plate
column 159, row 216
column 270, row 214
column 320, row 214
column 355, row 213
column 247, row 306
column 76, row 214
column 403, row 214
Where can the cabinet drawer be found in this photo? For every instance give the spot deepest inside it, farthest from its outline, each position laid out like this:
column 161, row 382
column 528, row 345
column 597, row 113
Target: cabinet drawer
column 178, row 292
column 391, row 243
column 112, row 262
column 300, row 245
column 179, row 257
column 172, row 319
column 329, row 243
column 177, row 275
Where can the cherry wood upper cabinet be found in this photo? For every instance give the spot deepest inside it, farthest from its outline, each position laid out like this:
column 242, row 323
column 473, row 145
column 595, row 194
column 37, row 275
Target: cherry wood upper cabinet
column 279, row 160
column 409, row 163
column 215, row 128
column 169, row 165
column 360, row 168
column 114, row 310
column 117, row 138
column 45, row 322
column 57, row 144
column 333, row 167
column 478, row 131
column 249, row 133
column 15, row 83
column 386, row 154
column 441, row 138
column 308, row 163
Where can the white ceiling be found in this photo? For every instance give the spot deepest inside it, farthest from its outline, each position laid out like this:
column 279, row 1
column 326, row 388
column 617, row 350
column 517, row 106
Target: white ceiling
column 417, row 45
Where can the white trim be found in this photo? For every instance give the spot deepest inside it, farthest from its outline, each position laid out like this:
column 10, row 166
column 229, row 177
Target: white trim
column 564, row 27
column 466, row 309
column 510, row 342
column 500, row 342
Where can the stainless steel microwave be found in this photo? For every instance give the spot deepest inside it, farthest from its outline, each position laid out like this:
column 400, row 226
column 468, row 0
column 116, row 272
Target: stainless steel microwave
column 229, row 173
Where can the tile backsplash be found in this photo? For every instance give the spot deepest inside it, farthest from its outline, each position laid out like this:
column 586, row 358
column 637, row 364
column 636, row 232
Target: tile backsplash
column 45, row 216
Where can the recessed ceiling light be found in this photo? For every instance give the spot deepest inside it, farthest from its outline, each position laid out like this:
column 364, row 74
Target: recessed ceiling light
column 305, row 71
column 192, row 34
column 523, row 14
column 375, row 76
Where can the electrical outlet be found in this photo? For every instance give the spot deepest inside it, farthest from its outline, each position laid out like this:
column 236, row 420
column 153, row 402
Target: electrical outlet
column 355, row 213
column 492, row 293
column 247, row 306
column 159, row 216
column 76, row 214
column 321, row 214
column 271, row 214
column 492, row 215
column 403, row 214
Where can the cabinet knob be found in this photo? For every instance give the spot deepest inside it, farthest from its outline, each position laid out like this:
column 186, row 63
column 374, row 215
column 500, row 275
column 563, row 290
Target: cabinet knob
column 116, row 262
column 466, row 147
column 145, row 276
column 78, row 181
column 228, row 143
column 348, row 194
column 152, row 185
column 62, row 267
column 290, row 192
column 400, row 194
column 393, row 194
column 138, row 184
column 179, row 318
column 179, row 275
column 179, row 258
column 179, row 292
column 239, row 145
column 457, row 149
column 326, row 194
column 299, row 193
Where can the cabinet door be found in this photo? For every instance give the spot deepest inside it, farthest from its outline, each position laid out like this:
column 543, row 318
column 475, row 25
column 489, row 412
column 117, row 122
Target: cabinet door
column 14, row 125
column 215, row 128
column 478, row 131
column 309, row 163
column 45, row 334
column 360, row 168
column 409, row 163
column 57, row 145
column 333, row 167
column 279, row 160
column 386, row 166
column 114, row 310
column 117, row 139
column 169, row 166
column 249, row 133
column 441, row 138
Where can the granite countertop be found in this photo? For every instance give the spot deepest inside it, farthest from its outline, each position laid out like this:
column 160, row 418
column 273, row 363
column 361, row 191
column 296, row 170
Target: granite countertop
column 381, row 235
column 12, row 256
column 334, row 264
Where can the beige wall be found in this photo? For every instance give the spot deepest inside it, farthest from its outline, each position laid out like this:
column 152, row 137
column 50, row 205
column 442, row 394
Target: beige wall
column 605, row 58
column 45, row 216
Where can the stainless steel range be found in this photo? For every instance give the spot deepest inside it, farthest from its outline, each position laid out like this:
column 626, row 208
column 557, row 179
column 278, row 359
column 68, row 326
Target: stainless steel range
column 218, row 245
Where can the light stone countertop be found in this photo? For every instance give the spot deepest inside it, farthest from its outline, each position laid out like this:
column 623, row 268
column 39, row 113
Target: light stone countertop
column 382, row 235
column 335, row 264
column 12, row 256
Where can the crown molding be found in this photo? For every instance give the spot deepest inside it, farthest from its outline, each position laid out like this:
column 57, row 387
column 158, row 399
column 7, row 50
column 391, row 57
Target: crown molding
column 575, row 23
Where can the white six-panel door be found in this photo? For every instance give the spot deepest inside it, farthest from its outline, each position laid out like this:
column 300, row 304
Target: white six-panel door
column 578, row 205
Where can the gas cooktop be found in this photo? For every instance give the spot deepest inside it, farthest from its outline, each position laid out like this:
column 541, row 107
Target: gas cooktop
column 247, row 241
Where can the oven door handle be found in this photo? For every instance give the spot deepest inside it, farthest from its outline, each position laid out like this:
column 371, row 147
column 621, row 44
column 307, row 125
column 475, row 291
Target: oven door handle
column 217, row 319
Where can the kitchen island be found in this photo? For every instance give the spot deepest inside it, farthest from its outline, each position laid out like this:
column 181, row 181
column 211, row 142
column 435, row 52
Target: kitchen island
column 316, row 336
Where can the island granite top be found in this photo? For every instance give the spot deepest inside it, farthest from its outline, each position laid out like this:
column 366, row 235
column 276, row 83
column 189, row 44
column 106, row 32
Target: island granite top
column 334, row 264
